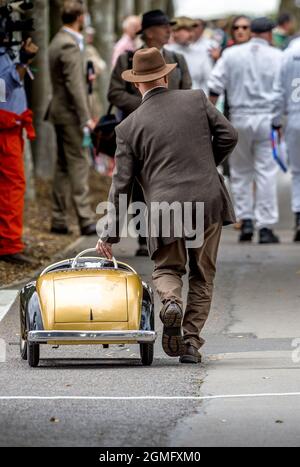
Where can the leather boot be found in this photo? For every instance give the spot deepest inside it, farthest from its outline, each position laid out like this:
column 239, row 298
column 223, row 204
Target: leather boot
column 267, row 236
column 297, row 233
column 190, row 355
column 171, row 316
column 247, row 231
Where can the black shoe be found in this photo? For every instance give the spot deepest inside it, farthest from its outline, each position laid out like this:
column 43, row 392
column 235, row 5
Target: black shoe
column 267, row 236
column 172, row 342
column 297, row 233
column 89, row 230
column 247, row 231
column 142, row 251
column 60, row 230
column 19, row 258
column 190, row 355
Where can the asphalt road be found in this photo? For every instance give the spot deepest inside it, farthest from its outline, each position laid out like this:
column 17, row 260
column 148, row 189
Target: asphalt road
column 246, row 392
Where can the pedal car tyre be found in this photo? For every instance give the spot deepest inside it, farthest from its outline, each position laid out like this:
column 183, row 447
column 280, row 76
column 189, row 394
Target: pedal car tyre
column 23, row 342
column 33, row 354
column 23, row 348
column 147, row 350
column 147, row 353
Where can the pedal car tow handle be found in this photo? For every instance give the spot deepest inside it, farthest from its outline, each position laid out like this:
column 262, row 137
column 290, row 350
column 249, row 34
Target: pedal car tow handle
column 92, row 250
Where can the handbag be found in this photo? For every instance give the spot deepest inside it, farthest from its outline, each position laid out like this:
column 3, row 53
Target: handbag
column 104, row 136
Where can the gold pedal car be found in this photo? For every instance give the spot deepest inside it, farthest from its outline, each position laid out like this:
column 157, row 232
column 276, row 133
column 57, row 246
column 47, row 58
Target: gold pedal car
column 87, row 300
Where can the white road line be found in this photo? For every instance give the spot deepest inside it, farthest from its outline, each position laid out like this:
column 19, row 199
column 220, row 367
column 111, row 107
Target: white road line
column 160, row 398
column 7, row 298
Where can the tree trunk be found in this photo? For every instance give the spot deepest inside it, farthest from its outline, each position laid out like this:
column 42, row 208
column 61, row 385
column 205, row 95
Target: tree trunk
column 170, row 10
column 145, row 5
column 55, row 17
column 43, row 146
column 292, row 6
column 123, row 8
column 158, row 5
column 103, row 19
column 29, row 172
column 141, row 6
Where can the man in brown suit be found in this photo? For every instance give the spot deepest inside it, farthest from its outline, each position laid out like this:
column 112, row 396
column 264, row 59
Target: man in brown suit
column 156, row 32
column 173, row 144
column 69, row 112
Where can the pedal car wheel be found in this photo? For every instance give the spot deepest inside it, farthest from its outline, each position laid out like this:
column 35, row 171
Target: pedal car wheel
column 147, row 350
column 147, row 353
column 23, row 348
column 33, row 354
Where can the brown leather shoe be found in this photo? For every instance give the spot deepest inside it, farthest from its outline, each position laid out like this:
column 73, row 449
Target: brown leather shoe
column 19, row 258
column 190, row 355
column 172, row 342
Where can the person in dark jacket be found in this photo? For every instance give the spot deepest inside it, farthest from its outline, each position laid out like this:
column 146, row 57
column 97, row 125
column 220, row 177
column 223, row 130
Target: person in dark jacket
column 156, row 32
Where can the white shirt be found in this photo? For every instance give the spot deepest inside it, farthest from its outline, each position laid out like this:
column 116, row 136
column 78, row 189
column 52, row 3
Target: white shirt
column 79, row 37
column 203, row 44
column 150, row 90
column 199, row 63
column 247, row 73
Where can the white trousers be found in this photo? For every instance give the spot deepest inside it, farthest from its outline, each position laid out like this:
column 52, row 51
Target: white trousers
column 292, row 138
column 254, row 171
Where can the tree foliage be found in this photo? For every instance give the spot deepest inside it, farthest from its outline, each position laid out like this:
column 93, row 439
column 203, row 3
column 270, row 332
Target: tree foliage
column 292, row 6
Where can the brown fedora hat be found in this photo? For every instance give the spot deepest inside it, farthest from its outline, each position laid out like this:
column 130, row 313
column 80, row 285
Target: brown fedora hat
column 148, row 65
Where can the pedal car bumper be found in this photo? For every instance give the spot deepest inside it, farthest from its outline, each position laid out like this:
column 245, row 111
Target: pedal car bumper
column 46, row 337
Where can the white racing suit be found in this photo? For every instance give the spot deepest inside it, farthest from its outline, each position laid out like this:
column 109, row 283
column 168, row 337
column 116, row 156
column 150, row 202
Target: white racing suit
column 287, row 102
column 247, row 73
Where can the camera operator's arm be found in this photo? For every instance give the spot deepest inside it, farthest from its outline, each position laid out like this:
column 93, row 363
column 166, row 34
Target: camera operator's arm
column 27, row 54
column 71, row 62
column 12, row 79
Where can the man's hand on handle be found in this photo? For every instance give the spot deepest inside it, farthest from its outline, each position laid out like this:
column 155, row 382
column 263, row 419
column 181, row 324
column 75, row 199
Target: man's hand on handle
column 104, row 249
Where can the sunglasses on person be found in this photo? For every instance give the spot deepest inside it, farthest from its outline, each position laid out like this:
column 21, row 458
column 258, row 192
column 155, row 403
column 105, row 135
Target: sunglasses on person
column 244, row 28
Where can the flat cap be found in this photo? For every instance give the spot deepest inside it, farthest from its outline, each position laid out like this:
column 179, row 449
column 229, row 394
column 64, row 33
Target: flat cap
column 183, row 22
column 261, row 25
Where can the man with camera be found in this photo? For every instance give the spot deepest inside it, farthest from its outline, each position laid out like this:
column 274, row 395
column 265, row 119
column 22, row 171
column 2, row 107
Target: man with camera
column 14, row 119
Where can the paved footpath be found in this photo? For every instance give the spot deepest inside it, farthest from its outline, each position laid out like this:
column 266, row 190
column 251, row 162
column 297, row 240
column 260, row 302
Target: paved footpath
column 247, row 392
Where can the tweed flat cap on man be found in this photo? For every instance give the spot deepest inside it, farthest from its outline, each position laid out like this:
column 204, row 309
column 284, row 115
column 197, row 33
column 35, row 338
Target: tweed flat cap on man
column 183, row 22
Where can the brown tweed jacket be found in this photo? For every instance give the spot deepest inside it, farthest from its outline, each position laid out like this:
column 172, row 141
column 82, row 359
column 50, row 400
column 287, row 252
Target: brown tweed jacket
column 127, row 98
column 69, row 104
column 173, row 144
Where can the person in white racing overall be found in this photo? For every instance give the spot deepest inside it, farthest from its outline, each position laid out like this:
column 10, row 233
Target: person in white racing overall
column 246, row 72
column 287, row 102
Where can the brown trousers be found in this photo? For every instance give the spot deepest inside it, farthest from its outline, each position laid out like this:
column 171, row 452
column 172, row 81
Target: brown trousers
column 71, row 179
column 170, row 267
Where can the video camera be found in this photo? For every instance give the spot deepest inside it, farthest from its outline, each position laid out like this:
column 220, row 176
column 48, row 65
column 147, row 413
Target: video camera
column 13, row 20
